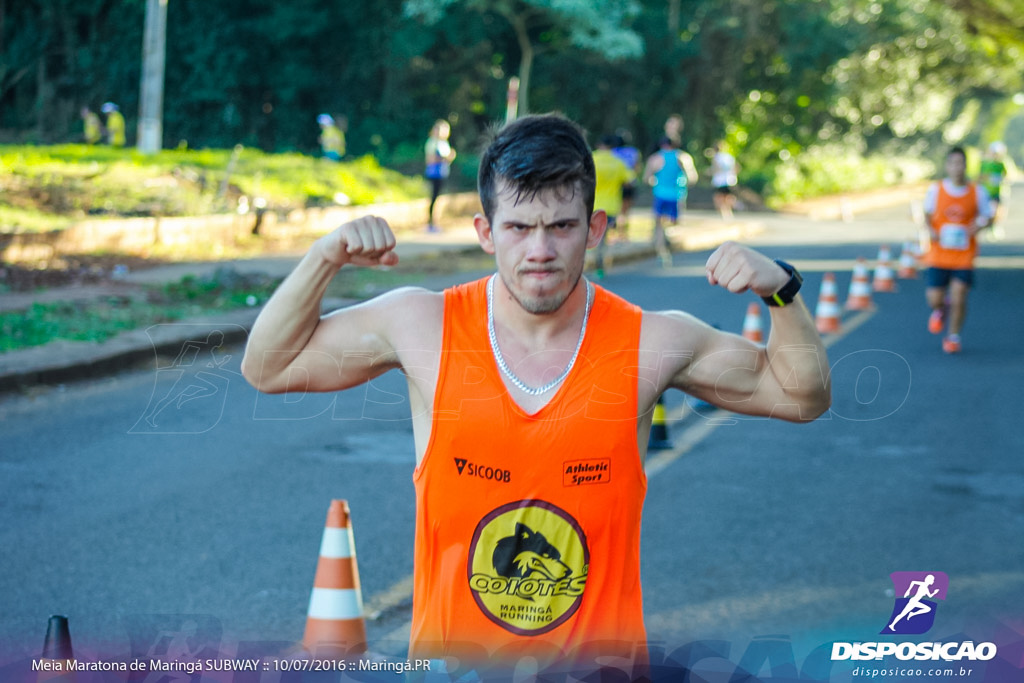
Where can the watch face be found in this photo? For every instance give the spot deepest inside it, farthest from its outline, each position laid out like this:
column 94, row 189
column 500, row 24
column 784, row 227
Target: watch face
column 793, row 272
column 785, row 266
column 789, row 290
column 793, row 286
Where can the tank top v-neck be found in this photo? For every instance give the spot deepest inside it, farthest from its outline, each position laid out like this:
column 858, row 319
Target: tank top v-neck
column 528, row 525
column 953, row 246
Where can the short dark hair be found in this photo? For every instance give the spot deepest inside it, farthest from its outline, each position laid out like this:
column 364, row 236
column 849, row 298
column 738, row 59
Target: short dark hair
column 957, row 150
column 534, row 154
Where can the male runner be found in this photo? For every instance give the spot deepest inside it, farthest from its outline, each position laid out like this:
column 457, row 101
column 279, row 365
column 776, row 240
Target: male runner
column 532, row 392
column 955, row 211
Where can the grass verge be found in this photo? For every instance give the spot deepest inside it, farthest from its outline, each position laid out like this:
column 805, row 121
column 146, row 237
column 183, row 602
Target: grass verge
column 51, row 187
column 224, row 290
column 99, row 320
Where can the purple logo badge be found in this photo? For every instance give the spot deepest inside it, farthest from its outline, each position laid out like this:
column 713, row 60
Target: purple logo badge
column 914, row 612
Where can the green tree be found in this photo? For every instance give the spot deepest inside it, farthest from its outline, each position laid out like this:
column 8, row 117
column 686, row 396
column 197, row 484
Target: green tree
column 1001, row 20
column 58, row 55
column 924, row 72
column 777, row 78
column 543, row 25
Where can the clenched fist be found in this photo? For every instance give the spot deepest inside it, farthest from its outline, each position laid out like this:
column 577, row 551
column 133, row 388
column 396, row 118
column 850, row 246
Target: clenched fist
column 366, row 241
column 739, row 268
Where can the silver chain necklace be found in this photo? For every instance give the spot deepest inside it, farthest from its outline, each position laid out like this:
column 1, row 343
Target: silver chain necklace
column 503, row 366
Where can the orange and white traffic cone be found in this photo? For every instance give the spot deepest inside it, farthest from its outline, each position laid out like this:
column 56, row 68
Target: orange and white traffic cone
column 752, row 328
column 908, row 262
column 859, row 296
column 826, row 314
column 885, row 280
column 57, row 661
column 335, row 625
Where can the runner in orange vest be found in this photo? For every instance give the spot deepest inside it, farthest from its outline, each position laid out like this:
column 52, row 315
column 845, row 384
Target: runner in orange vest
column 532, row 392
column 955, row 211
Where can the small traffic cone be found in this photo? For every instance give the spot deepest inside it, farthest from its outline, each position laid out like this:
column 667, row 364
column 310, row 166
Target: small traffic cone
column 658, row 439
column 826, row 315
column 884, row 279
column 752, row 328
column 859, row 296
column 335, row 625
column 57, row 659
column 908, row 262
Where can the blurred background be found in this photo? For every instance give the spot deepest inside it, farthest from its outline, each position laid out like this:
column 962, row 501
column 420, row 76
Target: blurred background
column 867, row 89
column 154, row 491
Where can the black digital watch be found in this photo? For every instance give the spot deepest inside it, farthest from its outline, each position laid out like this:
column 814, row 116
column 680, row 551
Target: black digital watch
column 788, row 291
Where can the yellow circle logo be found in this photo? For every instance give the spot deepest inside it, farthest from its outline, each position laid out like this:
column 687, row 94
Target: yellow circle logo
column 528, row 566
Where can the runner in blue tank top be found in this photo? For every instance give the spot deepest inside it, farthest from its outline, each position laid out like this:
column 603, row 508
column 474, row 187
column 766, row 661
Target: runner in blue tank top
column 668, row 171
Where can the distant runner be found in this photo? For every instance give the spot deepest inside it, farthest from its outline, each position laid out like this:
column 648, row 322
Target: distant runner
column 956, row 210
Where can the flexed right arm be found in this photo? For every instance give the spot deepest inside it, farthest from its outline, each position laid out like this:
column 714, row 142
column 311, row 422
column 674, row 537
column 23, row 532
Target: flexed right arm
column 292, row 348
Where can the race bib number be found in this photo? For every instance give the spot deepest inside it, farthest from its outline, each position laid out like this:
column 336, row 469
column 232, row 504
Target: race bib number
column 954, row 236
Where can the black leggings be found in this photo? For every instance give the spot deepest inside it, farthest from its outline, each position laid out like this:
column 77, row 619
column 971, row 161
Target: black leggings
column 436, row 184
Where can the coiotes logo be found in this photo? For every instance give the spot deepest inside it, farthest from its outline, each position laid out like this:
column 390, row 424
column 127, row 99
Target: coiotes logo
column 528, row 565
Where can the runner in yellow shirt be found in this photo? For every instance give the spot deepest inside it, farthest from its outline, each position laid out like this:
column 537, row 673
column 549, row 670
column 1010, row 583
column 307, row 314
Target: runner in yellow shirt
column 115, row 125
column 332, row 139
column 612, row 175
column 91, row 126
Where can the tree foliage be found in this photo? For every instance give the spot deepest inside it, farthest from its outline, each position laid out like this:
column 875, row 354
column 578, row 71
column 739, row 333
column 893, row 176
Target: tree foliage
column 548, row 26
column 775, row 78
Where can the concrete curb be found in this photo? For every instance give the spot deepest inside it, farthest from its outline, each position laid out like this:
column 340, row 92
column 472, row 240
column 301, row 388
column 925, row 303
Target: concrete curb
column 67, row 361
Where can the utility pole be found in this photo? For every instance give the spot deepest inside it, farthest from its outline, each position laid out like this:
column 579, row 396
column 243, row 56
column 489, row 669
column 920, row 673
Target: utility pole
column 673, row 18
column 512, row 101
column 151, row 101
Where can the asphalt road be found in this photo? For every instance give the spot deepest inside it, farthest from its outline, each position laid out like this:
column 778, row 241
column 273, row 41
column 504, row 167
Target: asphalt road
column 147, row 500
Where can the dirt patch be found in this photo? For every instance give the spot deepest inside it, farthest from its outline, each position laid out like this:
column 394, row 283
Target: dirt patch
column 69, row 271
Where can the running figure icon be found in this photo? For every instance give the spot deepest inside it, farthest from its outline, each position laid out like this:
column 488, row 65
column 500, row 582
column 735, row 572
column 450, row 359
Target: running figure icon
column 914, row 606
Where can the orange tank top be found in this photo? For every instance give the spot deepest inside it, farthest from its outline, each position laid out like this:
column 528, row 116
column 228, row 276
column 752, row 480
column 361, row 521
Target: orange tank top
column 528, row 526
column 953, row 247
